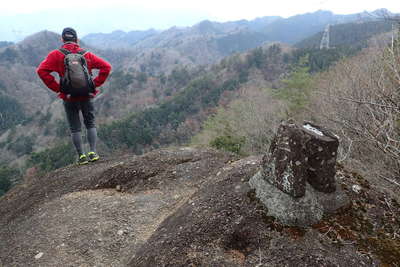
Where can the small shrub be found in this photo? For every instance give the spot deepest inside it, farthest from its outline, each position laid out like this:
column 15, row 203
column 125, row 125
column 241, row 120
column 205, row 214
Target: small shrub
column 229, row 143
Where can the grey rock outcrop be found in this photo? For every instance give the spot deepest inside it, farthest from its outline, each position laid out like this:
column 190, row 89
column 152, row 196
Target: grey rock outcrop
column 303, row 211
column 297, row 180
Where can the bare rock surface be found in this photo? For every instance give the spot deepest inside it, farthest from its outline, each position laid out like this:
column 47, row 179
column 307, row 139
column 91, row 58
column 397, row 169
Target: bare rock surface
column 290, row 211
column 184, row 207
column 75, row 215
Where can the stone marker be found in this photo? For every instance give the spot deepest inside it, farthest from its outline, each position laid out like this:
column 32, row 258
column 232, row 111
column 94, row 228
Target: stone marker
column 321, row 150
column 297, row 179
column 284, row 164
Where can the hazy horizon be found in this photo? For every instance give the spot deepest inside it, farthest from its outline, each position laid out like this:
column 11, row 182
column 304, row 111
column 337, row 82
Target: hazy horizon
column 21, row 20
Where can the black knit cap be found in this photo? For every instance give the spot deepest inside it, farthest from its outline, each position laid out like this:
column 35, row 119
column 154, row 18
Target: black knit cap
column 69, row 34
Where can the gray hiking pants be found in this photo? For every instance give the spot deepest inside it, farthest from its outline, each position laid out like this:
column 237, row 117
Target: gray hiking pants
column 72, row 109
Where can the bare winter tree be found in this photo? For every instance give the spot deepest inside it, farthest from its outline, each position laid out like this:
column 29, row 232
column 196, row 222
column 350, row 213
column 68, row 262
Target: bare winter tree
column 361, row 97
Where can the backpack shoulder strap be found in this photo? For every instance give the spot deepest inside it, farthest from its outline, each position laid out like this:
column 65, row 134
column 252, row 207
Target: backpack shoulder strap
column 64, row 51
column 82, row 52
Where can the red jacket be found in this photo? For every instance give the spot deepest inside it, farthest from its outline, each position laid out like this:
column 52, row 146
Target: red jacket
column 54, row 62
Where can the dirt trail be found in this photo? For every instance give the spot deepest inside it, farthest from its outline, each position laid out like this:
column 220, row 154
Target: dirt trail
column 83, row 220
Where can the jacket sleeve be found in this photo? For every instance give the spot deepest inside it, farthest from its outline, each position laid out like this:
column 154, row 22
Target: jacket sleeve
column 49, row 65
column 104, row 69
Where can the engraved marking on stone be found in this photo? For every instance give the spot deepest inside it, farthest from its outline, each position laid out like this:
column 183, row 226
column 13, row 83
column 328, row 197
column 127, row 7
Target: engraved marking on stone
column 356, row 188
column 313, row 129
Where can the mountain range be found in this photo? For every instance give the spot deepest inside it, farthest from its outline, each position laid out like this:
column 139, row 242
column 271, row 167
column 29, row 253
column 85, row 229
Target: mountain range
column 155, row 73
column 271, row 28
column 208, row 42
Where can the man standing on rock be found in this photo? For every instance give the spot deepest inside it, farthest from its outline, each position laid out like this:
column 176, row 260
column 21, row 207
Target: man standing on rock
column 76, row 87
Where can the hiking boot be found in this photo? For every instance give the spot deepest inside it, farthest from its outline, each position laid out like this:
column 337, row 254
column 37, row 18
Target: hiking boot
column 82, row 160
column 93, row 156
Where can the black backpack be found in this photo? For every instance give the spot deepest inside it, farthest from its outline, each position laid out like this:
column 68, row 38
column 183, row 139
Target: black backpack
column 77, row 80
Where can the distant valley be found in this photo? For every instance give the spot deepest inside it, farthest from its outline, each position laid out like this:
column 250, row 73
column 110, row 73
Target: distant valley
column 169, row 80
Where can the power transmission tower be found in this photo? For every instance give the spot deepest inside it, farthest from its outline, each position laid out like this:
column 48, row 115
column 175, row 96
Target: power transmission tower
column 393, row 34
column 325, row 38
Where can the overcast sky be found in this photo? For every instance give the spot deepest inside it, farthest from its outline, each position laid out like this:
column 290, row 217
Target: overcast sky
column 23, row 17
column 218, row 9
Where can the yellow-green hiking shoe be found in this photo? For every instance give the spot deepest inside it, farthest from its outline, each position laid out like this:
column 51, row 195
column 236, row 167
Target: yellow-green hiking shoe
column 83, row 160
column 93, row 156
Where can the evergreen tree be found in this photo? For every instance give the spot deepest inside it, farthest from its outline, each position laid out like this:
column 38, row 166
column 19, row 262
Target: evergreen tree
column 296, row 88
column 7, row 174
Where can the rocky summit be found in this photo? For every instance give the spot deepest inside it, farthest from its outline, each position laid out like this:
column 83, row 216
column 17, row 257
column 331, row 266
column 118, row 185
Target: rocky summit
column 185, row 207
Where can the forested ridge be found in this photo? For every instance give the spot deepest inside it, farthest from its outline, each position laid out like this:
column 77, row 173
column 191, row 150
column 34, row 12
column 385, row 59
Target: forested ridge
column 143, row 109
column 177, row 118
